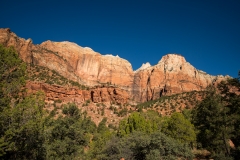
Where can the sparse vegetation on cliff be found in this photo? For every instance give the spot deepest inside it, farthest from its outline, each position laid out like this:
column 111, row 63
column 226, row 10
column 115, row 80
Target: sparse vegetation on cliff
column 45, row 75
column 167, row 105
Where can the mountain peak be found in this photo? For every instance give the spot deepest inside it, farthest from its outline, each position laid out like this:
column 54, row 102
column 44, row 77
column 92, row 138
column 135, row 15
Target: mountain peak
column 172, row 58
column 144, row 66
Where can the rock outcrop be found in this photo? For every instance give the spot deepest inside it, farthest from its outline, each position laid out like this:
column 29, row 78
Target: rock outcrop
column 78, row 96
column 173, row 74
column 91, row 66
column 144, row 66
column 24, row 47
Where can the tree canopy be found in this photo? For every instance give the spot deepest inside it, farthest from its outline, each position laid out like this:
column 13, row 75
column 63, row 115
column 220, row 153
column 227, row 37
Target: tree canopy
column 217, row 119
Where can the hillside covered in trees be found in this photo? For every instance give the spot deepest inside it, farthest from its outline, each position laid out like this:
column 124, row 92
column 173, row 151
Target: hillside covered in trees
column 201, row 124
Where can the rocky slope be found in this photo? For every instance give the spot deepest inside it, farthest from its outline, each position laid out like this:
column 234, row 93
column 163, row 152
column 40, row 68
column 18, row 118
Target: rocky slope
column 173, row 74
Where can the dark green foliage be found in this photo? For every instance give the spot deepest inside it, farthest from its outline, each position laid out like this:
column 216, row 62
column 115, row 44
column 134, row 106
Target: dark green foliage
column 123, row 112
column 67, row 136
column 12, row 75
column 141, row 146
column 209, row 119
column 102, row 126
column 111, row 126
column 187, row 113
column 23, row 129
column 99, row 140
column 71, row 111
column 147, row 104
column 217, row 120
column 231, row 101
column 12, row 79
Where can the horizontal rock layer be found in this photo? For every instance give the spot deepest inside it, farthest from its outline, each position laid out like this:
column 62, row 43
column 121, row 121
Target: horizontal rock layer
column 66, row 94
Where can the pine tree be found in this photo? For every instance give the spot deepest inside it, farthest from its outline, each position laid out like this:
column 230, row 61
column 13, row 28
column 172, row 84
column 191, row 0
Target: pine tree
column 213, row 125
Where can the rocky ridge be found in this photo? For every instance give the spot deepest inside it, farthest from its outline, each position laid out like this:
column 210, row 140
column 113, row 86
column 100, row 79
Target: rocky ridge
column 173, row 74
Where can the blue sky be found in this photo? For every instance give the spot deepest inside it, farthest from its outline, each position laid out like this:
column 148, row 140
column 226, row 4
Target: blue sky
column 205, row 32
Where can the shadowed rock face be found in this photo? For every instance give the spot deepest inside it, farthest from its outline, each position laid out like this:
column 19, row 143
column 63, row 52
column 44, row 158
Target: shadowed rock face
column 171, row 75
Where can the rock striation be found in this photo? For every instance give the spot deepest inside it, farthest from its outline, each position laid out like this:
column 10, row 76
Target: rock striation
column 78, row 96
column 173, row 74
column 91, row 66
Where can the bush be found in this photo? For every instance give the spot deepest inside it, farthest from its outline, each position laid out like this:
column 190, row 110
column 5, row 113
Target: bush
column 143, row 146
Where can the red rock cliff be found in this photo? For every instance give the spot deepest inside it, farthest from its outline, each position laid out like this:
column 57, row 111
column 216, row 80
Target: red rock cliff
column 171, row 75
column 66, row 94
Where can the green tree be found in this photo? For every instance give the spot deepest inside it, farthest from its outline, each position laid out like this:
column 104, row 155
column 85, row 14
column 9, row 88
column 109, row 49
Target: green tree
column 179, row 128
column 23, row 129
column 154, row 118
column 142, row 146
column 21, row 124
column 99, row 140
column 67, row 136
column 12, row 75
column 102, row 126
column 71, row 111
column 231, row 100
column 12, row 79
column 213, row 125
column 136, row 122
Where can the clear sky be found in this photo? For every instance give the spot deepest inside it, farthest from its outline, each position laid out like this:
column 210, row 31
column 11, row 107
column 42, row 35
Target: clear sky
column 205, row 32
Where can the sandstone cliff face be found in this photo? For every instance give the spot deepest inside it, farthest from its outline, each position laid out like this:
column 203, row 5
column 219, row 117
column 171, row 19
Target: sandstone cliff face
column 72, row 61
column 91, row 66
column 171, row 75
column 96, row 95
column 24, row 47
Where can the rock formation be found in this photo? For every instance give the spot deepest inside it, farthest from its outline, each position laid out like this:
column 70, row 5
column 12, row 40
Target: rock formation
column 91, row 66
column 171, row 75
column 78, row 96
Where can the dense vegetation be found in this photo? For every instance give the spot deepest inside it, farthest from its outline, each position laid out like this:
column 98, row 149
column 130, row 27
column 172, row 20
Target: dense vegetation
column 217, row 120
column 27, row 131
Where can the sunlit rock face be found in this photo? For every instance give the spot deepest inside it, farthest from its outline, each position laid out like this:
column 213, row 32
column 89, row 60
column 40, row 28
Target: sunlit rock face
column 77, row 63
column 90, row 66
column 173, row 74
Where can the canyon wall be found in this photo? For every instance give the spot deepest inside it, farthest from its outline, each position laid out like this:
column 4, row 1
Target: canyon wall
column 173, row 74
column 72, row 94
